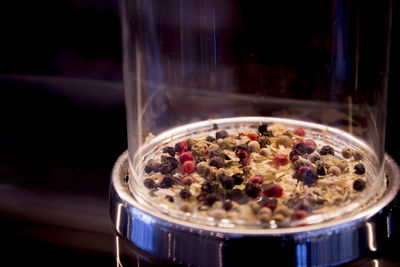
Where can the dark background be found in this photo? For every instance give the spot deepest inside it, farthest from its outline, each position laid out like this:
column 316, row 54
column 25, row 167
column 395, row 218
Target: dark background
column 63, row 126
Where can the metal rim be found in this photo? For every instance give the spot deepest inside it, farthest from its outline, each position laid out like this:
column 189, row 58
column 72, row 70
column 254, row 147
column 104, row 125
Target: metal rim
column 390, row 194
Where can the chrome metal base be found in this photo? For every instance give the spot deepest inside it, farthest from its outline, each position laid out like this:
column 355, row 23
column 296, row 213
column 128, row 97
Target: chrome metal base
column 325, row 244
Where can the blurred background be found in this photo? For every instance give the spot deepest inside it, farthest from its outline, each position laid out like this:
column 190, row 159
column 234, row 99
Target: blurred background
column 63, row 126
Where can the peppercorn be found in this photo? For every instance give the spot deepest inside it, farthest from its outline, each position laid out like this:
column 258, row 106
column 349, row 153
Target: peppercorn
column 284, row 141
column 221, row 134
column 359, row 169
column 152, row 166
column 200, row 149
column 227, row 205
column 299, row 163
column 149, row 183
column 210, row 139
column 181, row 147
column 299, row 132
column 321, row 170
column 221, row 174
column 187, row 180
column 264, row 141
column 252, row 189
column 215, row 150
column 325, row 150
column 300, row 147
column 185, row 193
column 168, row 165
column 359, row 185
column 310, row 146
column 167, row 182
column 334, row 170
column 357, row 155
column 210, row 199
column 238, row 178
column 273, row 190
column 240, row 147
column 209, row 187
column 170, row 150
column 294, row 155
column 201, row 167
column 217, row 162
column 308, row 175
column 228, row 182
column 347, row 152
column 188, row 166
column 314, row 158
column 263, row 130
column 254, row 146
column 169, row 198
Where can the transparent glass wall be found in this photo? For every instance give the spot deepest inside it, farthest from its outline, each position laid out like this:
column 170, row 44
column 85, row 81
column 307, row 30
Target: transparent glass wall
column 284, row 102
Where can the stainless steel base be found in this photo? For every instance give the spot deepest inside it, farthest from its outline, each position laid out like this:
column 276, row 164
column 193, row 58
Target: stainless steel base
column 325, row 244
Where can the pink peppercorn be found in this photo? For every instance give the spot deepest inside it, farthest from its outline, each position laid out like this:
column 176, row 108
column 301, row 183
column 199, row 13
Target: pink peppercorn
column 299, row 132
column 310, row 146
column 245, row 161
column 299, row 215
column 185, row 156
column 181, row 147
column 188, row 166
column 273, row 190
column 280, row 160
column 256, row 179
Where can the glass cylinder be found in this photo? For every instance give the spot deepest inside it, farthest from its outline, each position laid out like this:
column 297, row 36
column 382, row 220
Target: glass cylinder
column 256, row 114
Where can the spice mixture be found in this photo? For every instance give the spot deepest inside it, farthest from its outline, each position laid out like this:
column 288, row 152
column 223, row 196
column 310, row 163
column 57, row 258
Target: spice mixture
column 271, row 174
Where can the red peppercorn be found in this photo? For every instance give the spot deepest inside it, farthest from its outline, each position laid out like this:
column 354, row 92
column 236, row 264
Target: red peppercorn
column 273, row 190
column 245, row 161
column 271, row 203
column 310, row 146
column 188, row 166
column 280, row 160
column 299, row 132
column 242, row 154
column 256, row 179
column 181, row 147
column 251, row 136
column 185, row 156
column 299, row 215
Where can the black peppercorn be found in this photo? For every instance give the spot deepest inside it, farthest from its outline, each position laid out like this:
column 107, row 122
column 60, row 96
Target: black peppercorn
column 210, row 187
column 359, row 185
column 359, row 169
column 210, row 139
column 149, row 183
column 227, row 205
column 238, row 178
column 221, row 134
column 152, row 166
column 242, row 147
column 210, row 199
column 167, row 182
column 217, row 162
column 314, row 158
column 263, row 130
column 264, row 141
column 185, row 193
column 170, row 150
column 168, row 164
column 252, row 189
column 321, row 170
column 228, row 182
column 325, row 150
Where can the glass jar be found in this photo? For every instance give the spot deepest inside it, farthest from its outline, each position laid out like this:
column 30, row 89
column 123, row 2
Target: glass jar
column 259, row 115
